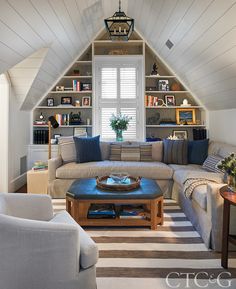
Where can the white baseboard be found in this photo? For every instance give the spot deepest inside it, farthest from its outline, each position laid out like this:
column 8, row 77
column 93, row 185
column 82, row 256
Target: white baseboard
column 17, row 183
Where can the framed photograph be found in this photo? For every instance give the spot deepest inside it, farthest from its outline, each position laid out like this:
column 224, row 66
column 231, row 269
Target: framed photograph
column 66, row 100
column 50, row 102
column 163, row 85
column 60, row 88
column 56, row 137
column 180, row 134
column 185, row 116
column 86, row 86
column 170, row 100
column 86, row 101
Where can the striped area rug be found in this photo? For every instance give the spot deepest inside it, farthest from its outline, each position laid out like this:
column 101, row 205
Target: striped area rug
column 141, row 258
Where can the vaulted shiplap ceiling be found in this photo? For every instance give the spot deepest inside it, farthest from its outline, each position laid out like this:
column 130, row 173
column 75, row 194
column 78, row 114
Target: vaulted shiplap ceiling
column 203, row 33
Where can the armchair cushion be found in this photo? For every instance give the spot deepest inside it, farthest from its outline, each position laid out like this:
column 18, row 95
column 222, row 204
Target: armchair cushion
column 88, row 248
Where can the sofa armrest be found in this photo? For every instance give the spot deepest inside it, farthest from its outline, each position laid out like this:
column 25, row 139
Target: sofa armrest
column 215, row 213
column 49, row 250
column 28, row 206
column 53, row 165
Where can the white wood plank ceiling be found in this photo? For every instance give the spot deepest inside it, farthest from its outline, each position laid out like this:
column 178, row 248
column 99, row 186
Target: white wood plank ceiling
column 203, row 33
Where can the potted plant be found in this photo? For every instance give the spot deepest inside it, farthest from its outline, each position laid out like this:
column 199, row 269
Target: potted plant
column 119, row 123
column 228, row 166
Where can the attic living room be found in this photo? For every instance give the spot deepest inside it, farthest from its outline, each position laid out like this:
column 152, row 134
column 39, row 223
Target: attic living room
column 118, row 144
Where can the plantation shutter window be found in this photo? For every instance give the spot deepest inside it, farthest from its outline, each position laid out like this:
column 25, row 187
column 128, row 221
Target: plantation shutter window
column 118, row 89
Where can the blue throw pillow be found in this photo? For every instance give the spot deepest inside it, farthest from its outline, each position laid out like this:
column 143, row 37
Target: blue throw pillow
column 87, row 149
column 197, row 151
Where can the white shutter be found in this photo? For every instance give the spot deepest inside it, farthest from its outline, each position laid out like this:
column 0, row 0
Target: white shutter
column 128, row 82
column 131, row 132
column 106, row 131
column 109, row 83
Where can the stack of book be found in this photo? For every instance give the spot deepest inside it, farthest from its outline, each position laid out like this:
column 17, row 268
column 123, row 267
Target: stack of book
column 63, row 119
column 40, row 136
column 101, row 211
column 151, row 100
column 40, row 166
column 76, row 85
column 132, row 212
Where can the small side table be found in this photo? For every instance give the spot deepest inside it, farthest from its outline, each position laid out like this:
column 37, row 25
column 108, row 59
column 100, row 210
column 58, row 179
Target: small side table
column 229, row 199
column 37, row 182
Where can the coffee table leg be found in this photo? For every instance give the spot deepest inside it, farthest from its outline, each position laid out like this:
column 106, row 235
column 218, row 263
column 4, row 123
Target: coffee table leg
column 153, row 215
column 161, row 210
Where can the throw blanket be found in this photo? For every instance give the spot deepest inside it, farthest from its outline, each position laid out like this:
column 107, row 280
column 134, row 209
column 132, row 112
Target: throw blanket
column 191, row 183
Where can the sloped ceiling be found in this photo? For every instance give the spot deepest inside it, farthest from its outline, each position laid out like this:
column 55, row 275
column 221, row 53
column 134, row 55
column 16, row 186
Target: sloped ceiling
column 203, row 33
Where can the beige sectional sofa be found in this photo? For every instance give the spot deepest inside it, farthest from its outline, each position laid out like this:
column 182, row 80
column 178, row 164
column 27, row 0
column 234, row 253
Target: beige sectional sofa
column 204, row 210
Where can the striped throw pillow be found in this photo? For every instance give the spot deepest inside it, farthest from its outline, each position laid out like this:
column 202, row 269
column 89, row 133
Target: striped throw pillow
column 211, row 163
column 175, row 152
column 146, row 153
column 130, row 153
column 115, row 152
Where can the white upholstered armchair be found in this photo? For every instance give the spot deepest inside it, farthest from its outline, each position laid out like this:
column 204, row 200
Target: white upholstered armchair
column 39, row 250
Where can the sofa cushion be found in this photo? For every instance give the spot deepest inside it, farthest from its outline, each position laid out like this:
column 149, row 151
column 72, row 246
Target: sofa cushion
column 175, row 152
column 185, row 167
column 153, row 170
column 105, row 150
column 66, row 147
column 145, row 152
column 197, row 151
column 115, row 152
column 87, row 149
column 211, row 162
column 88, row 248
column 130, row 153
column 157, row 151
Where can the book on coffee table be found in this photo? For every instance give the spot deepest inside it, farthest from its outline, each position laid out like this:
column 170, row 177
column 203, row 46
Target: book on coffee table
column 132, row 212
column 101, row 211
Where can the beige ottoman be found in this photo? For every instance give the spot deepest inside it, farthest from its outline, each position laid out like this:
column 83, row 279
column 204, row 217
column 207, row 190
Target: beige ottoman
column 37, row 182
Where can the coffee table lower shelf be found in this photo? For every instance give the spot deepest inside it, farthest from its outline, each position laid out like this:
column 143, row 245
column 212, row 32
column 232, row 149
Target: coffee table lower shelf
column 78, row 209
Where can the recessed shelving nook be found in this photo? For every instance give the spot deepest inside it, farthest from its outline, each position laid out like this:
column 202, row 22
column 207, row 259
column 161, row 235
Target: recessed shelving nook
column 72, row 100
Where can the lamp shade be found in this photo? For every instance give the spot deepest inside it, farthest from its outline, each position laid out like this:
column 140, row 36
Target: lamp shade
column 53, row 121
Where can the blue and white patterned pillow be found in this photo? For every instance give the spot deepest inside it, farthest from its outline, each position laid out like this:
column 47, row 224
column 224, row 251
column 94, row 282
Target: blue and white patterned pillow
column 211, row 163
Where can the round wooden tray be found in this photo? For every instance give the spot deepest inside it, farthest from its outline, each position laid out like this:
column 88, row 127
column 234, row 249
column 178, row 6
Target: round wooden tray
column 102, row 184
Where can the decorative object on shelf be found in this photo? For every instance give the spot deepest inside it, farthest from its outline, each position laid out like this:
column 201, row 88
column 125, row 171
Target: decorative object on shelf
column 80, row 131
column 161, row 102
column 172, row 137
column 60, row 88
column 86, row 101
column 86, row 86
column 185, row 103
column 119, row 123
column 76, row 71
column 170, row 100
column 163, row 85
column 180, row 134
column 185, row 116
column 228, row 166
column 56, row 136
column 151, row 88
column 154, row 119
column 50, row 102
column 77, row 102
column 154, row 69
column 66, row 100
column 119, row 26
column 175, row 86
column 41, row 117
column 167, row 122
column 75, row 118
column 88, row 121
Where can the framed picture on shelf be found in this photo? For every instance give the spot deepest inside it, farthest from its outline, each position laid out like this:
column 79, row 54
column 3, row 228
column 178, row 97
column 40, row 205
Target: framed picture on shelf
column 170, row 100
column 86, row 101
column 180, row 134
column 185, row 116
column 60, row 88
column 56, row 137
column 66, row 100
column 50, row 102
column 163, row 85
column 86, row 86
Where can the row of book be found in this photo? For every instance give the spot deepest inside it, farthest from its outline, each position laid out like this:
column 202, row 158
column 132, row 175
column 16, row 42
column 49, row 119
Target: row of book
column 151, row 100
column 76, row 85
column 110, row 211
column 40, row 136
column 40, row 166
column 63, row 119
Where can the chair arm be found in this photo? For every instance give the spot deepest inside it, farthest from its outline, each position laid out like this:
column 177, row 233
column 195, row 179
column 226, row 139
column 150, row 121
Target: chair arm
column 44, row 253
column 29, row 206
column 53, row 164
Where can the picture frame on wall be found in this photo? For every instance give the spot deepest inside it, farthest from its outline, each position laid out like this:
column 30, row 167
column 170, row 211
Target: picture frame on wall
column 86, row 101
column 185, row 116
column 170, row 100
column 50, row 102
column 180, row 134
column 66, row 100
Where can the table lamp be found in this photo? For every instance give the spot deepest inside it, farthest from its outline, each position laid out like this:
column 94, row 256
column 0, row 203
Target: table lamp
column 52, row 122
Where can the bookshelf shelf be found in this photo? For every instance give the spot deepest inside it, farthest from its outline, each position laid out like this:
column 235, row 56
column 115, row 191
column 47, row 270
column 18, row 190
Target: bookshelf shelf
column 166, row 92
column 65, row 107
column 178, row 126
column 70, row 92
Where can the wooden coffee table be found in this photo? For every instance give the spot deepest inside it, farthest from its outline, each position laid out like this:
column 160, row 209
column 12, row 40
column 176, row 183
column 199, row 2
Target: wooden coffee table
column 84, row 192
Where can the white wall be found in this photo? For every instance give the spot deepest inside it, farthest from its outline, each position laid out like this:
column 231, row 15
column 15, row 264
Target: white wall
column 222, row 126
column 19, row 139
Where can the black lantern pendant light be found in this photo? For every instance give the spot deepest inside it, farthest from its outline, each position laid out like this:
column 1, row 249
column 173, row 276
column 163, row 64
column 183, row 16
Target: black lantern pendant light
column 119, row 26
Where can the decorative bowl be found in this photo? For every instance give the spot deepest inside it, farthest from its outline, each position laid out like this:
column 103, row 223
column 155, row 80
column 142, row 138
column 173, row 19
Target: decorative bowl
column 119, row 177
